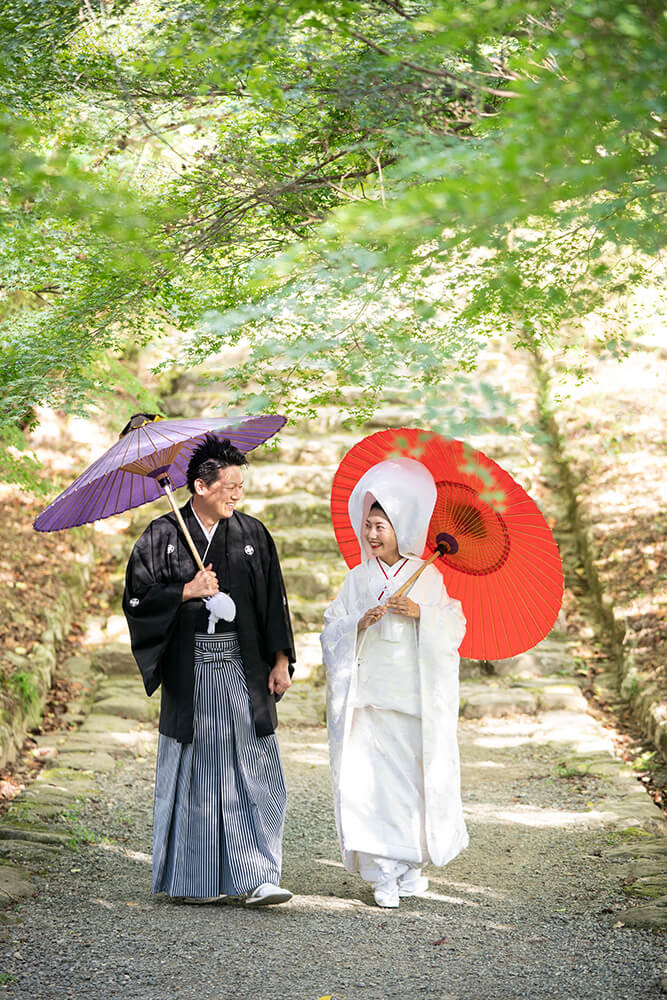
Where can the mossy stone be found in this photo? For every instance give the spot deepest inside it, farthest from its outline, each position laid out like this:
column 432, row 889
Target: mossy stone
column 648, row 887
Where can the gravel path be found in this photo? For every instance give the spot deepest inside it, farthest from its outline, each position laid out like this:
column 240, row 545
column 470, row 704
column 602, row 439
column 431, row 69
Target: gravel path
column 528, row 911
column 534, row 909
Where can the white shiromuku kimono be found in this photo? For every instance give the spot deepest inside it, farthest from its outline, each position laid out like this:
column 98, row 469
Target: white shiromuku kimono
column 392, row 693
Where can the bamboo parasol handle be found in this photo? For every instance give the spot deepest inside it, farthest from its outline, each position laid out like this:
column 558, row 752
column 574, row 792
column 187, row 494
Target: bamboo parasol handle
column 408, row 583
column 179, row 517
column 445, row 543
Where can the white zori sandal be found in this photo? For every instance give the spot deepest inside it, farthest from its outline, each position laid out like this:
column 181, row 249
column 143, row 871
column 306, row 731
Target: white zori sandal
column 412, row 883
column 268, row 894
column 386, row 893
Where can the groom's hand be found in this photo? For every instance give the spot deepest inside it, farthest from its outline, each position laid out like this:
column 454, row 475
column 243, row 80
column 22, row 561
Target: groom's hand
column 279, row 678
column 203, row 584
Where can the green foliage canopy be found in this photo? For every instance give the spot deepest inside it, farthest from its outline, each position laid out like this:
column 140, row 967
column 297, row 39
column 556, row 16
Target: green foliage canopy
column 356, row 191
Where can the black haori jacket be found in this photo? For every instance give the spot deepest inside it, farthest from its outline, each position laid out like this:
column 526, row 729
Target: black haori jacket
column 162, row 626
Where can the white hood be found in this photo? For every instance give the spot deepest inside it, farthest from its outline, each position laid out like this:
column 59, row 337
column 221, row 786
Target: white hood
column 406, row 491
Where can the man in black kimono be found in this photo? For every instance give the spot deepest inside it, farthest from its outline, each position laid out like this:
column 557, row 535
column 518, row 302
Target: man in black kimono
column 220, row 792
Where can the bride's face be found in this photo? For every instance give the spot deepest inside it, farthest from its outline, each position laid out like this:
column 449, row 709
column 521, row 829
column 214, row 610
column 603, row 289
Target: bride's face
column 380, row 537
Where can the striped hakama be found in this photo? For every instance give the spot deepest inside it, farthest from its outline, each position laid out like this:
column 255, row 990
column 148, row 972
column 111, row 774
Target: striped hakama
column 219, row 801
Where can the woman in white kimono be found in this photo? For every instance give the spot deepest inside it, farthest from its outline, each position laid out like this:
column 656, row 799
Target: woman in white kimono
column 392, row 696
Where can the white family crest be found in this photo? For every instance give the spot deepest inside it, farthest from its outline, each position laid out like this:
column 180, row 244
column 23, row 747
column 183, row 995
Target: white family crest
column 170, row 549
column 134, row 601
column 249, row 550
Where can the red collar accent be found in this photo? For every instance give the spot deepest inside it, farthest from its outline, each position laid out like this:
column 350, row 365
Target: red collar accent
column 384, row 572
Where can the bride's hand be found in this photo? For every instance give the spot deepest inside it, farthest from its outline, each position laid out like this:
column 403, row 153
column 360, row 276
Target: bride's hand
column 403, row 606
column 372, row 616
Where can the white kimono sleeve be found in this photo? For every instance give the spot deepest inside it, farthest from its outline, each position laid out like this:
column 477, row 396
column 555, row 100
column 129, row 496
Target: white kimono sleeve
column 442, row 619
column 339, row 643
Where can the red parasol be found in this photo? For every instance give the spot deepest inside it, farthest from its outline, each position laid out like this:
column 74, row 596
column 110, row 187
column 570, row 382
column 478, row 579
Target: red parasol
column 503, row 564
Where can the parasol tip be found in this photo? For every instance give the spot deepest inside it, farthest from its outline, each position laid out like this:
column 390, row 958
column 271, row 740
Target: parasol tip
column 446, row 544
column 139, row 420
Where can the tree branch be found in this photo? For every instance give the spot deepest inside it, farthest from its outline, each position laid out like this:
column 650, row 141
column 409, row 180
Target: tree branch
column 443, row 74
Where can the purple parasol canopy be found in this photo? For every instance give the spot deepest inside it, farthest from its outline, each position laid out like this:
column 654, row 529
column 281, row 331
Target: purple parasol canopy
column 147, row 462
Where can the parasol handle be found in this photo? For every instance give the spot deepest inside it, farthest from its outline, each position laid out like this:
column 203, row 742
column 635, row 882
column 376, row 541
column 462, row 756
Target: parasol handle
column 415, row 575
column 445, row 543
column 179, row 517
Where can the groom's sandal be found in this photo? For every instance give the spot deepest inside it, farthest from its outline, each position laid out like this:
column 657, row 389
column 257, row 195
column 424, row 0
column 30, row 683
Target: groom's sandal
column 268, row 894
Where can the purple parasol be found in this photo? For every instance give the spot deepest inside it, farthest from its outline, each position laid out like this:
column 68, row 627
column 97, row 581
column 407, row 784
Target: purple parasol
column 149, row 461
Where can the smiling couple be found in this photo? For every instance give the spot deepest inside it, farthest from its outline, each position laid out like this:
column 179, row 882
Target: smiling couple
column 392, row 675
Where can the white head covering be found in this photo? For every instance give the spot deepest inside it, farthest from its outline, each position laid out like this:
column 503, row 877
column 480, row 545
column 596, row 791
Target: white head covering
column 406, row 491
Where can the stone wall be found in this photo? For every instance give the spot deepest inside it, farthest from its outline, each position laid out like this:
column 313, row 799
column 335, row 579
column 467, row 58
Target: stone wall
column 22, row 701
column 587, row 508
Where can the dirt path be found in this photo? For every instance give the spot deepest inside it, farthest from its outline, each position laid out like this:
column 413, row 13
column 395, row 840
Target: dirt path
column 558, row 896
column 534, row 907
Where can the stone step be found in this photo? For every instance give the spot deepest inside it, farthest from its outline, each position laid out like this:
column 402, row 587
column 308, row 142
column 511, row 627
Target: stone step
column 190, row 396
column 209, row 379
column 293, row 509
column 15, row 885
column 538, row 694
column 307, row 616
column 303, row 705
column 551, row 657
column 309, row 657
column 28, row 855
column 391, row 417
column 125, row 696
column 309, row 444
column 480, row 701
column 33, row 833
column 311, row 449
column 538, row 662
column 314, row 579
column 115, row 659
column 328, row 420
column 274, row 479
column 309, row 541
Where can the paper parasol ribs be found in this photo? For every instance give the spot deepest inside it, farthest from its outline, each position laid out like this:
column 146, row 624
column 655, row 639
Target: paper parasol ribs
column 501, row 562
column 149, row 461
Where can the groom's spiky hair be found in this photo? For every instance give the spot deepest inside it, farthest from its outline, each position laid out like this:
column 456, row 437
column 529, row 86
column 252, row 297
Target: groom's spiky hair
column 209, row 457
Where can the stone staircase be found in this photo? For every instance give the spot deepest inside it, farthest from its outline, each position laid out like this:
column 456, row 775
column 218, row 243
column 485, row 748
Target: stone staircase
column 288, row 489
column 288, row 485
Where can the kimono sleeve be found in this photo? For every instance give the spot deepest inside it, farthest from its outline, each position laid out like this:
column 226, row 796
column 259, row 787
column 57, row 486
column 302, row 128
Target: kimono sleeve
column 339, row 650
column 339, row 636
column 441, row 616
column 151, row 603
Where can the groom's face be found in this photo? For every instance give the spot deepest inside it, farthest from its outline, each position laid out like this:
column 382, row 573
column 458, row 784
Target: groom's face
column 220, row 498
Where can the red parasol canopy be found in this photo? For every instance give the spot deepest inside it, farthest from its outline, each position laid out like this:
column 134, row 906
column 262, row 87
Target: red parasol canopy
column 506, row 571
